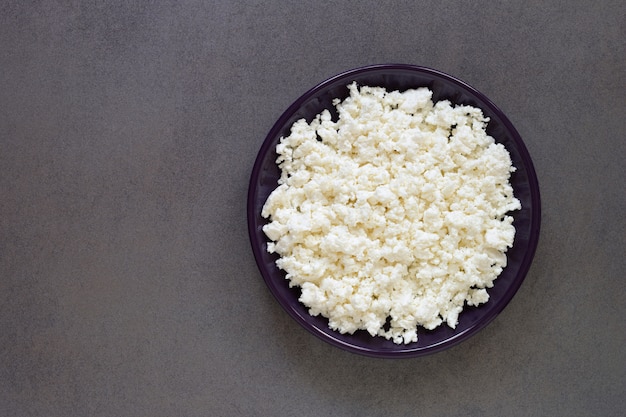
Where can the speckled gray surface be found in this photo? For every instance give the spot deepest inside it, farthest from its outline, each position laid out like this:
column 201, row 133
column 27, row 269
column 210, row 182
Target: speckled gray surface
column 127, row 134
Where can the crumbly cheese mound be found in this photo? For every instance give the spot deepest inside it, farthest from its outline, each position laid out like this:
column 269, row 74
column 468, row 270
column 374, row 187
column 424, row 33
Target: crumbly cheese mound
column 395, row 215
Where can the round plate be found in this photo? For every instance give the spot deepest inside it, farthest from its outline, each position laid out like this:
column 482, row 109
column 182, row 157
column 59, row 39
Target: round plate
column 265, row 174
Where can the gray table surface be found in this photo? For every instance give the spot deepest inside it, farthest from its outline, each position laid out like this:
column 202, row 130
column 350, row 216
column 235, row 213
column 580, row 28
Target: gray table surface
column 128, row 131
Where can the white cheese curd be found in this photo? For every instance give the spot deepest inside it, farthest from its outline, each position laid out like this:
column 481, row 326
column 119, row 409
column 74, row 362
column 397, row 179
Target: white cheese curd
column 395, row 215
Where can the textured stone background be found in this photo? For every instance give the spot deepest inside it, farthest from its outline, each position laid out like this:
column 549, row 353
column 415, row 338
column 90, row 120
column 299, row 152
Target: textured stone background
column 127, row 134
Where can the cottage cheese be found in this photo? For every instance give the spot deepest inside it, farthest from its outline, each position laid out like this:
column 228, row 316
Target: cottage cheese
column 395, row 215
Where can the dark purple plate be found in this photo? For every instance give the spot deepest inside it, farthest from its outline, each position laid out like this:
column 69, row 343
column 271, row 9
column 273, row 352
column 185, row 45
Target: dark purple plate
column 265, row 174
